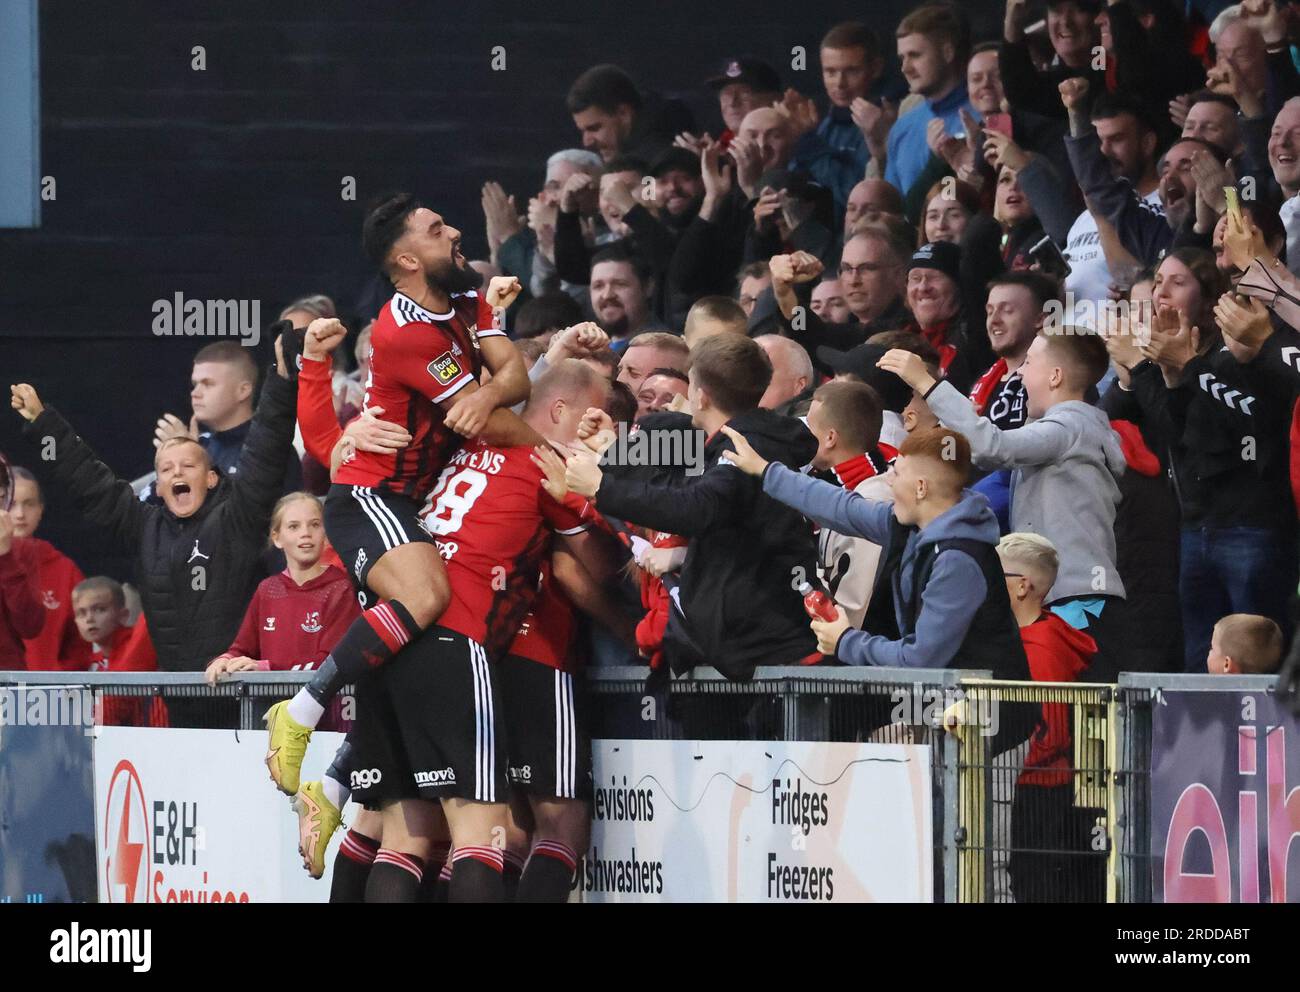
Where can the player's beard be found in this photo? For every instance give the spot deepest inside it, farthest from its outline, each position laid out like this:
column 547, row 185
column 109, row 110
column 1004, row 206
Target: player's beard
column 451, row 278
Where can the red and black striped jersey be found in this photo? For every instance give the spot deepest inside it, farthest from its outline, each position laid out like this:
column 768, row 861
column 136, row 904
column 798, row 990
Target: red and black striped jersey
column 419, row 360
column 548, row 631
column 492, row 521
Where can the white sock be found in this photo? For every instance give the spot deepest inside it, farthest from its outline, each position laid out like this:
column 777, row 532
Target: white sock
column 304, row 708
column 335, row 792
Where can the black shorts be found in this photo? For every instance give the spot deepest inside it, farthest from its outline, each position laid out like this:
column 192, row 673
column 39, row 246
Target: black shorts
column 545, row 718
column 363, row 523
column 429, row 725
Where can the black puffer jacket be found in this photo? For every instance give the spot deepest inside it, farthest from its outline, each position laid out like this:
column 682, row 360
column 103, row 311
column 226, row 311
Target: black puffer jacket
column 738, row 590
column 196, row 575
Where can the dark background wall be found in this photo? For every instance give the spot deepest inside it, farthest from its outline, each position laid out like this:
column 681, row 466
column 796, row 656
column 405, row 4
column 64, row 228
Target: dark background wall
column 225, row 183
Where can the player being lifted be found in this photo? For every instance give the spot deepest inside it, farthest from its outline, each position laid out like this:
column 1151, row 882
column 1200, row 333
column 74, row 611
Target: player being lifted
column 430, row 343
column 429, row 724
column 319, row 803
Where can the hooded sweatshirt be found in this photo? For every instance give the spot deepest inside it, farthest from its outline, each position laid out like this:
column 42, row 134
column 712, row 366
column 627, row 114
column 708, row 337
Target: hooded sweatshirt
column 935, row 621
column 1057, row 652
column 21, row 614
column 735, row 606
column 1065, row 485
column 58, row 645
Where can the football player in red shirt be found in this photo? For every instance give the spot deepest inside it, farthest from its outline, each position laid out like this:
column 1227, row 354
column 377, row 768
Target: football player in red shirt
column 429, row 723
column 546, row 724
column 429, row 344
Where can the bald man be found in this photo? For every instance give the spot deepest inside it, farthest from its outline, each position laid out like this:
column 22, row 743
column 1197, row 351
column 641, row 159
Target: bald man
column 765, row 143
column 867, row 200
column 793, row 381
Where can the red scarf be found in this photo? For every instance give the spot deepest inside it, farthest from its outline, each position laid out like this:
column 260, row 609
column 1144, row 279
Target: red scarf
column 1137, row 455
column 937, row 335
column 987, row 384
column 852, row 471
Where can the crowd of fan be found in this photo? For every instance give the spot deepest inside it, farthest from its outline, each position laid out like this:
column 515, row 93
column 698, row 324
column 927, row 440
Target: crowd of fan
column 1005, row 297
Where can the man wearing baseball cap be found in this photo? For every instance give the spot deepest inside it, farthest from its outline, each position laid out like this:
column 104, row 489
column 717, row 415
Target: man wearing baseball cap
column 859, row 364
column 678, row 186
column 743, row 84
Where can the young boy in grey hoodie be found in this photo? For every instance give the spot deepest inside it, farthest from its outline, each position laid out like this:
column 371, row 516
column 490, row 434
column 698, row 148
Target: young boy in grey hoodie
column 938, row 545
column 1067, row 462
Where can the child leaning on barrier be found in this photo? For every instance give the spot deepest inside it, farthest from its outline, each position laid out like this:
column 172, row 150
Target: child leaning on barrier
column 297, row 616
column 1051, row 858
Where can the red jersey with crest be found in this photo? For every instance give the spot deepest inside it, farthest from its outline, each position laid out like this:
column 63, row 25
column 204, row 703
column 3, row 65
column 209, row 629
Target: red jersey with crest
column 492, row 521
column 58, row 646
column 418, row 360
column 547, row 632
column 293, row 626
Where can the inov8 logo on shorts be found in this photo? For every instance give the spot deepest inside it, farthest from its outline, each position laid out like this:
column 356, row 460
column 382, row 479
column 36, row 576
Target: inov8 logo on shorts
column 443, row 776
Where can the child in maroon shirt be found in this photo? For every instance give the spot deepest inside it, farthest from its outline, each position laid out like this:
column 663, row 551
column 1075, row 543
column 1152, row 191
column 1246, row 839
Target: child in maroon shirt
column 295, row 617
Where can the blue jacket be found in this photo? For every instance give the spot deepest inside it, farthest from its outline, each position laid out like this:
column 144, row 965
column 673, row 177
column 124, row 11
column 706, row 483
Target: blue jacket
column 955, row 590
column 908, row 150
column 835, row 154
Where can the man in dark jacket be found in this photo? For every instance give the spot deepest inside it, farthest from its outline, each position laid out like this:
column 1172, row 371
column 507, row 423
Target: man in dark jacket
column 615, row 118
column 197, row 555
column 737, row 605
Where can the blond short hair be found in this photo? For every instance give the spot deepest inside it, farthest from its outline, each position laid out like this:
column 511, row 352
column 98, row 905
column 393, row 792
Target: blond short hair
column 1035, row 555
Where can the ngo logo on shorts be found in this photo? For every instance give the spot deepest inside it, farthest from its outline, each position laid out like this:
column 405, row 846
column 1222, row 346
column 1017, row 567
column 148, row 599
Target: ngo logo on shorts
column 179, row 317
column 364, row 778
column 522, row 774
column 443, row 776
column 126, row 837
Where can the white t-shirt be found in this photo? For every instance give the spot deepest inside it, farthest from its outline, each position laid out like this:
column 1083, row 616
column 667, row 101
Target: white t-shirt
column 1089, row 277
column 1289, row 215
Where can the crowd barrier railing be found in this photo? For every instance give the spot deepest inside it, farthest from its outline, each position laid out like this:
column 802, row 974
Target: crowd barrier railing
column 1042, row 792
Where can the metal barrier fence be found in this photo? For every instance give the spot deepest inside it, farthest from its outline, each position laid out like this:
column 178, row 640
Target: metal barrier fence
column 1041, row 790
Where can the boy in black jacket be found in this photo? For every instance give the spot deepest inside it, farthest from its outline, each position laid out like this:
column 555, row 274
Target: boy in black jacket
column 197, row 556
column 738, row 604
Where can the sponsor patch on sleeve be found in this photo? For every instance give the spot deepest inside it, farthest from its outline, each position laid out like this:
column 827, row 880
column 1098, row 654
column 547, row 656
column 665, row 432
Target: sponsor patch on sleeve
column 445, row 368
